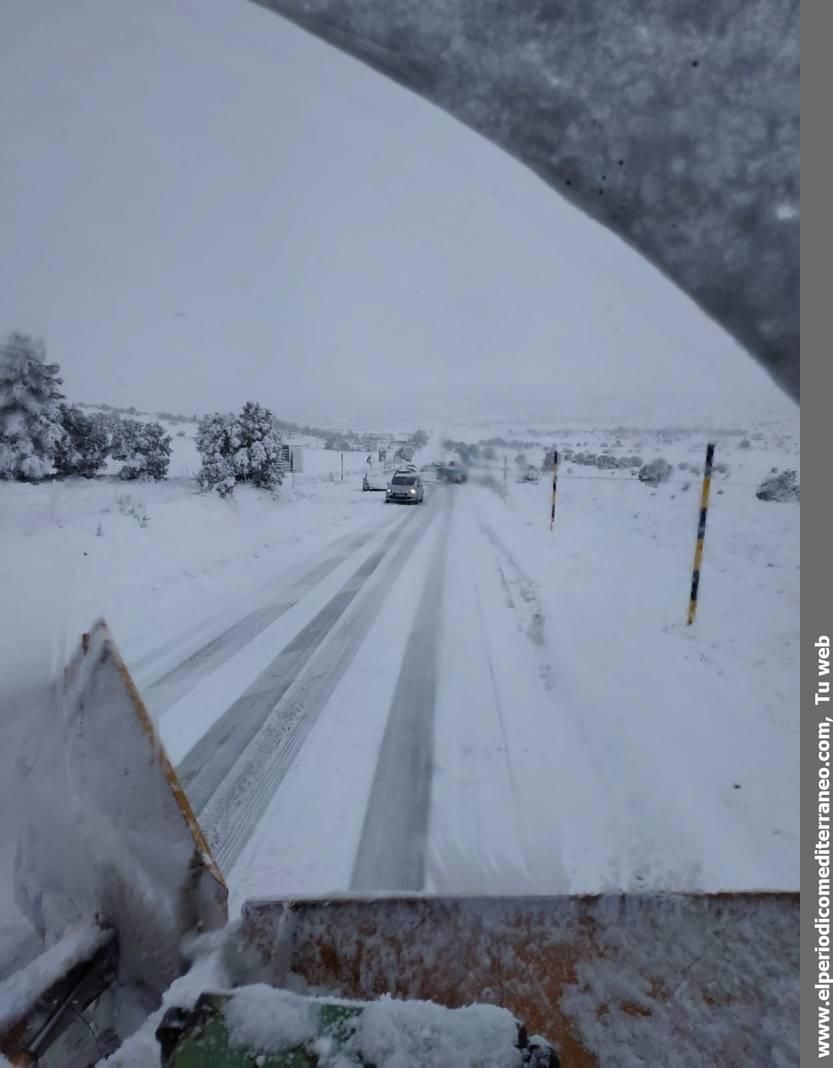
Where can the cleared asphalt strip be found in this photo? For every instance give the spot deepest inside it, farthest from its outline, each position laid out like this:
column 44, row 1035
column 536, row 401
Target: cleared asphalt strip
column 391, row 853
column 245, row 794
column 212, row 758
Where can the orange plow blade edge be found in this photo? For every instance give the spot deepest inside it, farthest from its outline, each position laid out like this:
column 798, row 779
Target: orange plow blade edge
column 610, row 979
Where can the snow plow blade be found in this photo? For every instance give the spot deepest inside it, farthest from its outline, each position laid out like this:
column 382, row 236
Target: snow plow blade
column 110, row 839
column 688, row 978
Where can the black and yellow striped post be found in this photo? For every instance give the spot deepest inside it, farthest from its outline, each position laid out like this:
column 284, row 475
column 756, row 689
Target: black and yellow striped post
column 554, row 485
column 701, row 533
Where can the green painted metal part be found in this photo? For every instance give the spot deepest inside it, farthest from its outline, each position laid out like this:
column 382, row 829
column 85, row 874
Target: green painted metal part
column 199, row 1039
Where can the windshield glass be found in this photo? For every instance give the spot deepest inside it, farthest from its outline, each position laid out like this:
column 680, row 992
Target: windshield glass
column 566, row 660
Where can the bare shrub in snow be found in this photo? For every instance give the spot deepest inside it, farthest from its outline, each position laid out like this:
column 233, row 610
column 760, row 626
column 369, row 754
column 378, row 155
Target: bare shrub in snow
column 783, row 488
column 30, row 418
column 745, row 444
column 722, row 469
column 83, row 448
column 180, row 433
column 655, row 472
column 146, row 450
column 549, row 456
column 131, row 506
column 605, row 461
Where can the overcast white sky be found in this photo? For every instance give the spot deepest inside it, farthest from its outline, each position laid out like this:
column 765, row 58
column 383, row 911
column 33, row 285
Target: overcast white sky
column 199, row 204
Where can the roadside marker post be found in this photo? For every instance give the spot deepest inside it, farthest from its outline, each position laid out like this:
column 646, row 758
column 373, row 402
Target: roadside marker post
column 701, row 534
column 342, row 467
column 554, row 485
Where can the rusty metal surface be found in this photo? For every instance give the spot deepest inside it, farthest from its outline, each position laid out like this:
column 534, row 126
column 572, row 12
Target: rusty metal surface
column 664, row 976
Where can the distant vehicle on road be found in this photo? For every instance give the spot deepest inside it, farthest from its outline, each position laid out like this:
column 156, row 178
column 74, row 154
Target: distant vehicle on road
column 452, row 472
column 405, row 488
column 374, row 481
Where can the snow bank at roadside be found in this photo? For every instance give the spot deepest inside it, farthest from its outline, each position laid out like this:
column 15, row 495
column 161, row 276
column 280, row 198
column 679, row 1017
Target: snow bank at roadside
column 683, row 740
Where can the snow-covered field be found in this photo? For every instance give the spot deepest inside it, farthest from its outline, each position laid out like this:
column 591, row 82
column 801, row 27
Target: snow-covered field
column 451, row 697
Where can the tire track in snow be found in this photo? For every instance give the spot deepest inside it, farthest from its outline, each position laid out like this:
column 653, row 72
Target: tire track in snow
column 179, row 680
column 492, row 829
column 576, row 731
column 295, row 695
column 392, row 848
column 209, row 762
column 526, row 587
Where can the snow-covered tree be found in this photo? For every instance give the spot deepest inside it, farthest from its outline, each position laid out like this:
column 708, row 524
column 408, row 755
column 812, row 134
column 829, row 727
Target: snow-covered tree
column 256, row 447
column 120, row 431
column 109, row 424
column 146, row 450
column 84, row 446
column 239, row 448
column 214, row 444
column 30, row 418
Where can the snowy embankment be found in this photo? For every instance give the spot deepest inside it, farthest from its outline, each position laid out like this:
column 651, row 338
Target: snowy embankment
column 666, row 755
column 155, row 558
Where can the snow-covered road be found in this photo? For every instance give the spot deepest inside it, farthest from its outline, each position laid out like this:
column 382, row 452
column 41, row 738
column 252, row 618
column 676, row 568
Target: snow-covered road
column 449, row 698
column 428, row 703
